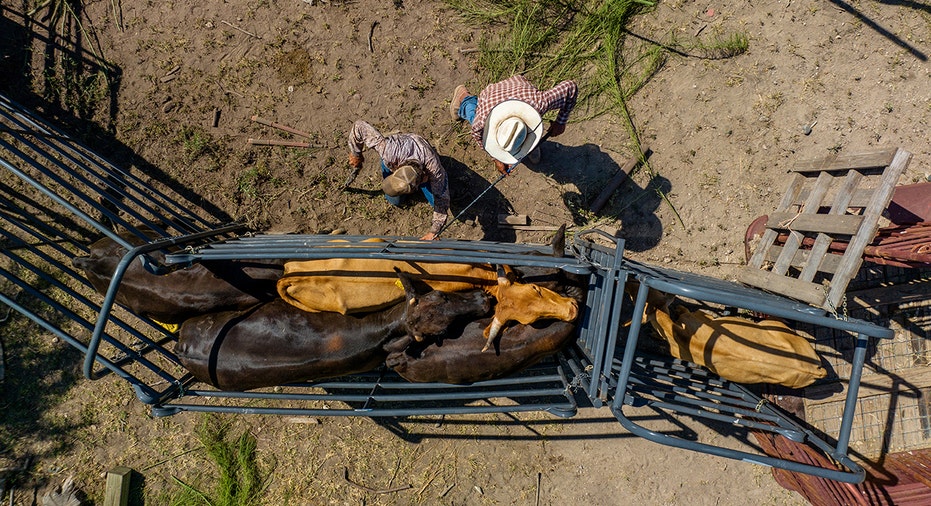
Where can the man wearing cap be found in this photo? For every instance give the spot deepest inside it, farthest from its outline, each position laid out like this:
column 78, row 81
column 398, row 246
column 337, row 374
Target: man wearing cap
column 506, row 117
column 408, row 163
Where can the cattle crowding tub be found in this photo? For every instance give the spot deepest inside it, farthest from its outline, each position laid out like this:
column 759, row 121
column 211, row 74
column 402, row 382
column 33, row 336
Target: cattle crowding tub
column 57, row 196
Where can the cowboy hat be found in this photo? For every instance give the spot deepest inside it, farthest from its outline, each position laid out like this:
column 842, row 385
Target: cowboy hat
column 404, row 180
column 513, row 128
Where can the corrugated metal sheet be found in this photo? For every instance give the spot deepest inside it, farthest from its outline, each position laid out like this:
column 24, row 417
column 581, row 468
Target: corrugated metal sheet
column 898, row 479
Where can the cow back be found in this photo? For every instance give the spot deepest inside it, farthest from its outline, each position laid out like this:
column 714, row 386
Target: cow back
column 276, row 343
column 351, row 285
column 459, row 359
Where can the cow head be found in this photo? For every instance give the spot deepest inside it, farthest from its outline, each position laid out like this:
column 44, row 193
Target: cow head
column 526, row 303
column 430, row 312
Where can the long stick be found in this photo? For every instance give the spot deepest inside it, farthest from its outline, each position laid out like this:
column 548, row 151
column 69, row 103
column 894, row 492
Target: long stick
column 466, row 208
column 618, row 178
column 279, row 126
column 352, row 176
column 276, row 142
column 496, row 181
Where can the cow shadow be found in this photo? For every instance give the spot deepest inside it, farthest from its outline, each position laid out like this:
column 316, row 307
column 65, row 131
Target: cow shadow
column 465, row 187
column 590, row 169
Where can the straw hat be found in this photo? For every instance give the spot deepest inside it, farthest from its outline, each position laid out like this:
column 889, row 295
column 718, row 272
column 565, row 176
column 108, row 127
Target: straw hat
column 404, row 180
column 513, row 128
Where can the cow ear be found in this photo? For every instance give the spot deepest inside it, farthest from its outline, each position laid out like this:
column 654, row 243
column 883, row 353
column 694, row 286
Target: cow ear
column 559, row 242
column 410, row 290
column 505, row 274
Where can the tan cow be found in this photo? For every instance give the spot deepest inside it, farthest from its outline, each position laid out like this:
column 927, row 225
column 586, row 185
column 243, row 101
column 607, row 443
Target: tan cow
column 735, row 348
column 525, row 304
column 357, row 285
column 348, row 285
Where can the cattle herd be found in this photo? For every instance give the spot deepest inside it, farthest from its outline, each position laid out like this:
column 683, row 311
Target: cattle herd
column 254, row 324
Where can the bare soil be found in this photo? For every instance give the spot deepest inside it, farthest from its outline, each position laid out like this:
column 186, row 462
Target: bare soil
column 723, row 133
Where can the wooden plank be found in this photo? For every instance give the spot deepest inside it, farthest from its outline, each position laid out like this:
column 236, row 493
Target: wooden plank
column 117, row 493
column 865, row 160
column 859, row 199
column 529, row 228
column 513, row 219
column 823, row 241
column 854, row 255
column 811, row 293
column 828, row 263
column 824, row 223
column 796, row 184
column 874, row 384
column 618, row 178
column 769, row 236
column 765, row 244
column 822, row 184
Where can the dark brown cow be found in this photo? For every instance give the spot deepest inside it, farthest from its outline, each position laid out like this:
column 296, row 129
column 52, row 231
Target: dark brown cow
column 178, row 295
column 277, row 343
column 457, row 360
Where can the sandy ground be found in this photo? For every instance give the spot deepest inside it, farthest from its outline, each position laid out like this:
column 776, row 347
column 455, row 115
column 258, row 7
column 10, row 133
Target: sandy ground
column 722, row 132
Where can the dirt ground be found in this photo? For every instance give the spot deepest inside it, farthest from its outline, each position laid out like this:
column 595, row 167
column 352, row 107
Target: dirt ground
column 722, row 132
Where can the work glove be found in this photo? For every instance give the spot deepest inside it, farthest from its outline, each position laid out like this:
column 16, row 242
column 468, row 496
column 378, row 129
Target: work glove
column 502, row 168
column 556, row 129
column 355, row 161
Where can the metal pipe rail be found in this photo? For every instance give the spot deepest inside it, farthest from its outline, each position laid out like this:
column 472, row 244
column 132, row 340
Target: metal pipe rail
column 307, row 247
column 638, row 382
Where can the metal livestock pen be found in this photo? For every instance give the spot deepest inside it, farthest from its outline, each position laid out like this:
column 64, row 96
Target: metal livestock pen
column 57, row 196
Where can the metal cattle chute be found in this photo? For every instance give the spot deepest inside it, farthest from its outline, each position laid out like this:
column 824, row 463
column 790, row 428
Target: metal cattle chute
column 57, row 196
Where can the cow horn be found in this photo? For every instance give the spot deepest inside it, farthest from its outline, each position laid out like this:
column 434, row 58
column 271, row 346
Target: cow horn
column 491, row 332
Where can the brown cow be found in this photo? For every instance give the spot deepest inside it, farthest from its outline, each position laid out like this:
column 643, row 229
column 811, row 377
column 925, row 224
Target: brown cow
column 178, row 295
column 346, row 285
column 276, row 343
column 457, row 360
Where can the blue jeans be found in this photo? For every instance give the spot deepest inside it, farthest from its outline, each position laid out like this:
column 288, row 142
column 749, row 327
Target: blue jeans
column 467, row 108
column 396, row 201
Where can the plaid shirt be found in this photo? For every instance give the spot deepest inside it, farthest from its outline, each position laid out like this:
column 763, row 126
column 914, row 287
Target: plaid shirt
column 562, row 97
column 398, row 148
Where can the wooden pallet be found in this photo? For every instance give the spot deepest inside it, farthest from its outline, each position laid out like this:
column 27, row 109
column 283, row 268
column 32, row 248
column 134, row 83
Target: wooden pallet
column 839, row 197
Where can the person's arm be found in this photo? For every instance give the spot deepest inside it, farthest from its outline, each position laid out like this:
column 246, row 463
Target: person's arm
column 561, row 97
column 362, row 135
column 439, row 186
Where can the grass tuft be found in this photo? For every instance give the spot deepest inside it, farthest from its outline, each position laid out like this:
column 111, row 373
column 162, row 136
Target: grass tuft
column 241, row 481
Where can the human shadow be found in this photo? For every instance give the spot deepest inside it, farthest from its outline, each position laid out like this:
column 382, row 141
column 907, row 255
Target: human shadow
column 590, row 170
column 475, row 200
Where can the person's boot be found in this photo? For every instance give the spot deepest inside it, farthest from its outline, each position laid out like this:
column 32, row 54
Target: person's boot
column 459, row 94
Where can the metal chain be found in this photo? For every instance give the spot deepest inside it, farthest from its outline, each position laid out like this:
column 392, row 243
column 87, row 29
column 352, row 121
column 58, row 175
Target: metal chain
column 833, row 309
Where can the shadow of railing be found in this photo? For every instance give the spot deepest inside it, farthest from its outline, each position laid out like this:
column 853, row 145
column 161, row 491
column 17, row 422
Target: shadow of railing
column 895, row 39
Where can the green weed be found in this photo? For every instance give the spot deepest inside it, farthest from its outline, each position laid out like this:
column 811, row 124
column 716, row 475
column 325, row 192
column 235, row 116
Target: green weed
column 242, row 479
column 194, row 141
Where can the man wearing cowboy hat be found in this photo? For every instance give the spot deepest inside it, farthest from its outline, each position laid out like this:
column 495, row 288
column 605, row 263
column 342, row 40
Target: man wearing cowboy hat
column 408, row 163
column 506, row 117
